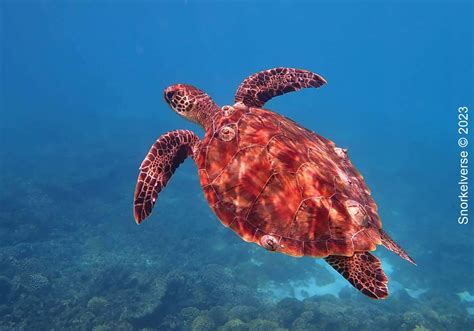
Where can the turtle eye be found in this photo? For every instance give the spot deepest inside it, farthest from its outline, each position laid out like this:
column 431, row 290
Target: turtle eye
column 169, row 95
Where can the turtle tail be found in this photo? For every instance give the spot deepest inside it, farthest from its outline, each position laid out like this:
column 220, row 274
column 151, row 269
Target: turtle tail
column 390, row 244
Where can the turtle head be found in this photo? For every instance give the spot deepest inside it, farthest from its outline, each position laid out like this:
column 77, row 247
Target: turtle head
column 191, row 103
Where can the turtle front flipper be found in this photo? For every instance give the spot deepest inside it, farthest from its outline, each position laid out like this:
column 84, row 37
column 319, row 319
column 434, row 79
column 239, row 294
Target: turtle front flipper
column 166, row 154
column 363, row 271
column 257, row 89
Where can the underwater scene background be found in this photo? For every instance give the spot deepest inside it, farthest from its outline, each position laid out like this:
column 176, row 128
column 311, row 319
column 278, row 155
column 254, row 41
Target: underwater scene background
column 81, row 103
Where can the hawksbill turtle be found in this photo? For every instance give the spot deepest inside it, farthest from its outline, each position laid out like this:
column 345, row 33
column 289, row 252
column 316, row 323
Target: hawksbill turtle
column 272, row 181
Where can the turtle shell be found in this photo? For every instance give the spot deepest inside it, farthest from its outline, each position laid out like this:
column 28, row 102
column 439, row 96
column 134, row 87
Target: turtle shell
column 284, row 187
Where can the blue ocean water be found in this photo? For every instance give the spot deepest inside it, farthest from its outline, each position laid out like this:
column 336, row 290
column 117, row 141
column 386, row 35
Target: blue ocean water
column 81, row 103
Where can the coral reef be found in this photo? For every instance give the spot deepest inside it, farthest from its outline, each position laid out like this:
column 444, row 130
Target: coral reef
column 97, row 305
column 234, row 325
column 105, row 284
column 37, row 282
column 203, row 323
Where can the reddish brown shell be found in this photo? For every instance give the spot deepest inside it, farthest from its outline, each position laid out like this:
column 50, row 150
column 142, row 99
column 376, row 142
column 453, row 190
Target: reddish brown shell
column 284, row 187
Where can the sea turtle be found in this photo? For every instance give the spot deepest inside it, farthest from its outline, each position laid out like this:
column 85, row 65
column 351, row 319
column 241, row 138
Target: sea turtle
column 272, row 181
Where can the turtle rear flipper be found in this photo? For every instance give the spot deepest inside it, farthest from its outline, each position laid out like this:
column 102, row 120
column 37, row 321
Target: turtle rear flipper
column 363, row 271
column 166, row 154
